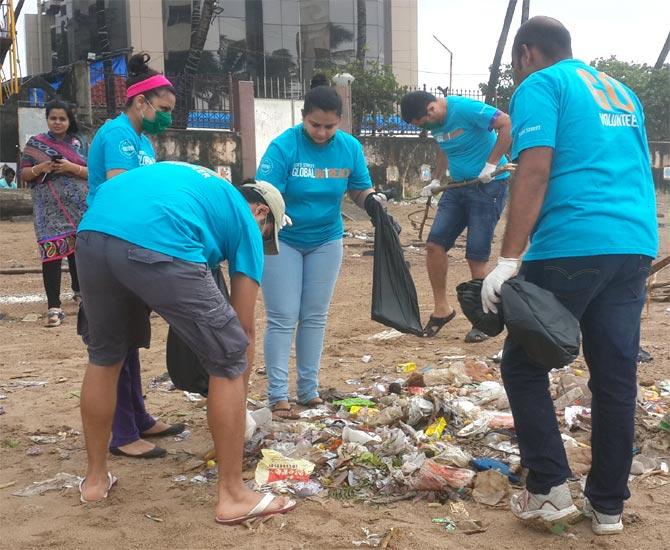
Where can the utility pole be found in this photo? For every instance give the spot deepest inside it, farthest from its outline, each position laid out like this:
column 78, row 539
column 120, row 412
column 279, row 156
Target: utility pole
column 451, row 60
column 495, row 67
column 664, row 53
column 525, row 11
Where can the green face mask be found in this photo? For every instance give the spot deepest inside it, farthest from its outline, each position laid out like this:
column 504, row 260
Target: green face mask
column 159, row 124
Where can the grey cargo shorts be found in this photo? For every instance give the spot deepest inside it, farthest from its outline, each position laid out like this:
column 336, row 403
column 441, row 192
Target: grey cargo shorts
column 121, row 283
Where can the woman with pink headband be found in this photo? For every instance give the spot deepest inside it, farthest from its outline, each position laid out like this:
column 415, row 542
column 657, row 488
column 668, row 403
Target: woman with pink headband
column 119, row 145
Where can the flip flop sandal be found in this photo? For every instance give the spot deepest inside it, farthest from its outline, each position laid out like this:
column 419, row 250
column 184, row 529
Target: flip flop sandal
column 435, row 324
column 111, row 481
column 259, row 511
column 284, row 412
column 475, row 336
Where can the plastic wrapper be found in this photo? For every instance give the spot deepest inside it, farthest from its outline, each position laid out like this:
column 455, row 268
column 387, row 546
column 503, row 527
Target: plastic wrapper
column 455, row 375
column 276, row 467
column 350, row 435
column 419, row 408
column 385, row 417
column 479, row 427
column 412, row 462
column 433, row 476
column 58, row 483
column 453, row 456
column 436, row 429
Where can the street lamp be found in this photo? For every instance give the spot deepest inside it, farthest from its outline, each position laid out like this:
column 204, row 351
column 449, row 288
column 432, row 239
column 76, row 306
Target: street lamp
column 451, row 59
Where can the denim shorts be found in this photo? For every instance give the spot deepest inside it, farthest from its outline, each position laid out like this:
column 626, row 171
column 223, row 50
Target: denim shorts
column 121, row 283
column 475, row 207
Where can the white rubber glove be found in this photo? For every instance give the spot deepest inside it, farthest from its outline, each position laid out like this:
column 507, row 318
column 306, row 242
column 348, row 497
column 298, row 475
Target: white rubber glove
column 286, row 221
column 506, row 269
column 485, row 175
column 380, row 198
column 428, row 190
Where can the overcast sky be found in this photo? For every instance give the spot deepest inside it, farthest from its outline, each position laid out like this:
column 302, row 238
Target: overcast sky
column 633, row 31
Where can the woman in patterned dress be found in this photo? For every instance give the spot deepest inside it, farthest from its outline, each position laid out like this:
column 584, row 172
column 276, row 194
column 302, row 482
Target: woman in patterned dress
column 54, row 165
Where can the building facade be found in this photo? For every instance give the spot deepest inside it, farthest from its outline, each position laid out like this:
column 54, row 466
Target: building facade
column 250, row 38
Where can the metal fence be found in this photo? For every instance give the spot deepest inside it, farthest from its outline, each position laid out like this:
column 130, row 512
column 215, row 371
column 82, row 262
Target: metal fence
column 375, row 123
column 279, row 88
column 365, row 123
column 203, row 100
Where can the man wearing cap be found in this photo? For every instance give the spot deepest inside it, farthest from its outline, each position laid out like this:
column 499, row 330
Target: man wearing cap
column 473, row 139
column 153, row 246
column 584, row 196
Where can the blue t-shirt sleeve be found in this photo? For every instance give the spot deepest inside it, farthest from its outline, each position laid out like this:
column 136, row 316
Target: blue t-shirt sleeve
column 534, row 113
column 248, row 257
column 360, row 175
column 119, row 150
column 480, row 114
column 273, row 167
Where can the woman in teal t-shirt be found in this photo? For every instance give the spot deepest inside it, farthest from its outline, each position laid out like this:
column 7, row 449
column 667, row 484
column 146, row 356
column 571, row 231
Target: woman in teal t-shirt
column 121, row 144
column 313, row 165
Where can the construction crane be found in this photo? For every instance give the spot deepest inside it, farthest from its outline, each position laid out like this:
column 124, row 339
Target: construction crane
column 9, row 78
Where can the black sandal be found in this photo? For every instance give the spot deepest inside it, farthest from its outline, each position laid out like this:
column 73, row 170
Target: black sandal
column 435, row 324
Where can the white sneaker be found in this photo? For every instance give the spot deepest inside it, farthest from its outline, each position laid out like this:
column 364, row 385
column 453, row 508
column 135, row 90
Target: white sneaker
column 553, row 507
column 603, row 524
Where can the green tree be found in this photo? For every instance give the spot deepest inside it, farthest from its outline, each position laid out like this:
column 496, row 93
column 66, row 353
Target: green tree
column 375, row 91
column 504, row 89
column 652, row 87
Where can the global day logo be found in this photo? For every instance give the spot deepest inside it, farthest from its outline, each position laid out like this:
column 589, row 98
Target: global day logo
column 127, row 149
column 266, row 167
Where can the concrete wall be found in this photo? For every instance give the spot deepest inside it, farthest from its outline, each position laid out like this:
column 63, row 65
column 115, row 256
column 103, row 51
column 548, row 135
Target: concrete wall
column 146, row 30
column 219, row 151
column 38, row 43
column 401, row 163
column 32, row 120
column 273, row 116
column 404, row 43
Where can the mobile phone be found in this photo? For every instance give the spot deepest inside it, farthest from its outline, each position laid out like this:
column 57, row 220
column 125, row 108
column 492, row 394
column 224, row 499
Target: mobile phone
column 56, row 157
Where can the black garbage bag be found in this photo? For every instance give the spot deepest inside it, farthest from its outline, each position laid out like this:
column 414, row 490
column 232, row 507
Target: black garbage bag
column 394, row 300
column 183, row 365
column 537, row 321
column 470, row 298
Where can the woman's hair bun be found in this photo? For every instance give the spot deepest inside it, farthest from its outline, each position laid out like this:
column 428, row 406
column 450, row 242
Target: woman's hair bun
column 139, row 64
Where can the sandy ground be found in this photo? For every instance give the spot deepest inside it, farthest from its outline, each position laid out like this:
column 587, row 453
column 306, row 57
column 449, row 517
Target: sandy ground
column 30, row 352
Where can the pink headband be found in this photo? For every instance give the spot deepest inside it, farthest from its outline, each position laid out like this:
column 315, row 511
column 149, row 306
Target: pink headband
column 156, row 81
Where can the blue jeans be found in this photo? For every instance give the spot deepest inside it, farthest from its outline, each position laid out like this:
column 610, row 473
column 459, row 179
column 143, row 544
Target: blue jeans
column 298, row 286
column 477, row 207
column 606, row 294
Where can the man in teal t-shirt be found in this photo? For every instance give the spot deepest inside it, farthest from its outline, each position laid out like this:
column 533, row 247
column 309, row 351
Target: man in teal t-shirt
column 473, row 138
column 584, row 196
column 150, row 247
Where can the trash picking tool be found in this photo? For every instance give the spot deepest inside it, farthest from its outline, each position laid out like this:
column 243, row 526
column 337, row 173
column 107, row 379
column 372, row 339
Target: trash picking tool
column 509, row 167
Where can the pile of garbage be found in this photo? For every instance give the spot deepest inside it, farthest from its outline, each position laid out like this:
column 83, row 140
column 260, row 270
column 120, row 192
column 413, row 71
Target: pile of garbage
column 439, row 433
